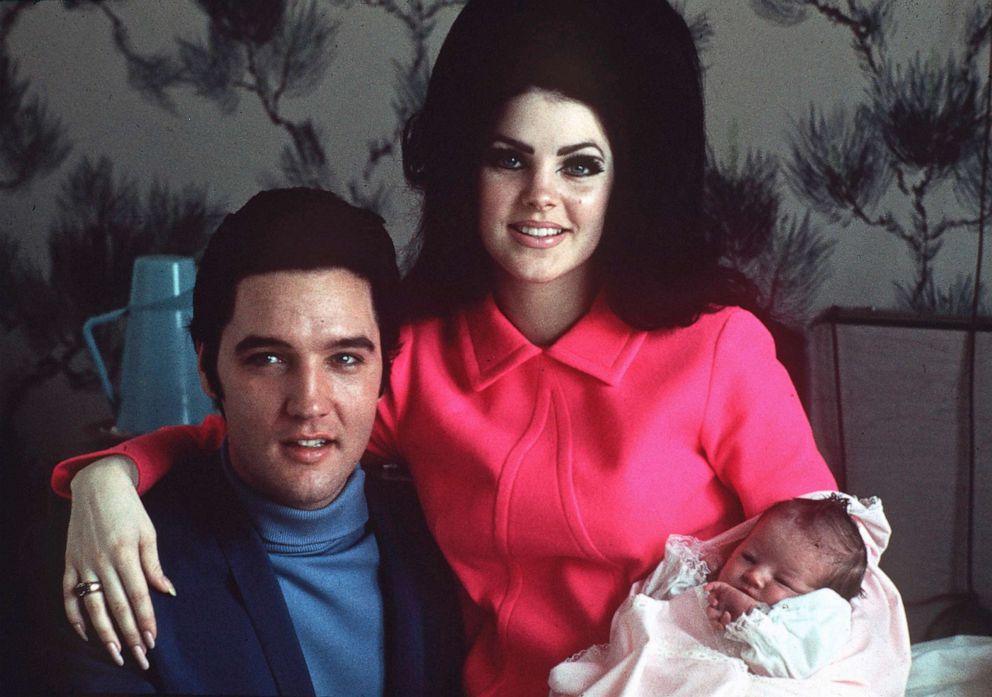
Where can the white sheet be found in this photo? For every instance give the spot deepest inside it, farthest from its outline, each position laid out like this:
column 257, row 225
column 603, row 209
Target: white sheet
column 958, row 666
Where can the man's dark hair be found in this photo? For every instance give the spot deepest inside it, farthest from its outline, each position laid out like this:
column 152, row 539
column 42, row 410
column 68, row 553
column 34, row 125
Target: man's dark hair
column 835, row 535
column 633, row 63
column 293, row 230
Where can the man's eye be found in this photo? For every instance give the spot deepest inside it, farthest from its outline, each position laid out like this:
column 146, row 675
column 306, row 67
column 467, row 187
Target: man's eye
column 346, row 359
column 264, row 359
column 583, row 166
column 504, row 158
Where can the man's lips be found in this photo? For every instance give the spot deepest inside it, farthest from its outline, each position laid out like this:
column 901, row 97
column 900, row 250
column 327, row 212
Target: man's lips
column 309, row 441
column 308, row 449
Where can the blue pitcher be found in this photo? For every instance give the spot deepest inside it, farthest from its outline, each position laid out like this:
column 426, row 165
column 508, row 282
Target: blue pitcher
column 159, row 382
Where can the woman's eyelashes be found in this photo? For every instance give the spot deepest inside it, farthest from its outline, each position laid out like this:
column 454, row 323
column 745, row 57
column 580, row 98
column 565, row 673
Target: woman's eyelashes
column 583, row 166
column 577, row 166
column 504, row 158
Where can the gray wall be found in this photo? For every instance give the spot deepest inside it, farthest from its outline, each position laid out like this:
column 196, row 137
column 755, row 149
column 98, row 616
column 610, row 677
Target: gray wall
column 760, row 79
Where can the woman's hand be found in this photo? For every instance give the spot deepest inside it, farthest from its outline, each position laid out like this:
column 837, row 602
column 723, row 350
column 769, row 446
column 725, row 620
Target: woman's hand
column 111, row 540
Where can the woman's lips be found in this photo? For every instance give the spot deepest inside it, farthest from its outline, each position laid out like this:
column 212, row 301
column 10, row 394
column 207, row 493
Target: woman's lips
column 538, row 235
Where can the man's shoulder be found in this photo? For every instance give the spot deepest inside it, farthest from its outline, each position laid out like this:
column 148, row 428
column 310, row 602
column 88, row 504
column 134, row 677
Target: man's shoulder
column 394, row 508
column 424, row 637
column 395, row 516
column 204, row 468
column 190, row 493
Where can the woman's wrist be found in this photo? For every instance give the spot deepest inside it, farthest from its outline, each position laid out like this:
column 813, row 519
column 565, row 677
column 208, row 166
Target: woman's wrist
column 113, row 468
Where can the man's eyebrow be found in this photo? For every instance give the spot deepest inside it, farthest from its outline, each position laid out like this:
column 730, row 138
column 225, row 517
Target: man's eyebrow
column 353, row 342
column 255, row 341
column 564, row 150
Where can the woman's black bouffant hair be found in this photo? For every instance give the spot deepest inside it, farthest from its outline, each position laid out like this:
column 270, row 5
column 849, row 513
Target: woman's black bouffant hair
column 634, row 63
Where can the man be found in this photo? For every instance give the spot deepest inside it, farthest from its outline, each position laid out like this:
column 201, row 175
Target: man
column 298, row 573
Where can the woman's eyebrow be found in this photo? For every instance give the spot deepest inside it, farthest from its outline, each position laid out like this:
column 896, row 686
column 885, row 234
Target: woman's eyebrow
column 569, row 149
column 529, row 150
column 514, row 143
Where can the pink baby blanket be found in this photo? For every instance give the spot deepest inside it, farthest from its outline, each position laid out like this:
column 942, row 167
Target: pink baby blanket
column 662, row 644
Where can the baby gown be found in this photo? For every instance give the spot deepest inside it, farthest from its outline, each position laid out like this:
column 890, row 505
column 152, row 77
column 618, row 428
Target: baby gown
column 661, row 642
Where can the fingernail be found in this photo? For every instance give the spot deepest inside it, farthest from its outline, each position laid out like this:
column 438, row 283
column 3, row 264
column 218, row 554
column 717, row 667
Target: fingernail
column 115, row 653
column 149, row 639
column 172, row 588
column 139, row 656
column 80, row 630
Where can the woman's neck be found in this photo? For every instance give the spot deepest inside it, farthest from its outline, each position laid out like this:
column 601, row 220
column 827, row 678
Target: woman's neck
column 543, row 312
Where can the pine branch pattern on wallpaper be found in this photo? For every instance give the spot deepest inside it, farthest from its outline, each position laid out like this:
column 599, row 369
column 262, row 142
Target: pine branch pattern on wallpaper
column 913, row 136
column 885, row 163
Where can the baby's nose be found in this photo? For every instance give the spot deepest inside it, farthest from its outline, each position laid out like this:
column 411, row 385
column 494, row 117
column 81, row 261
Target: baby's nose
column 756, row 577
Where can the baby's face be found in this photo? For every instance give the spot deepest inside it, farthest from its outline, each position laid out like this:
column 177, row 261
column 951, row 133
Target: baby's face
column 776, row 561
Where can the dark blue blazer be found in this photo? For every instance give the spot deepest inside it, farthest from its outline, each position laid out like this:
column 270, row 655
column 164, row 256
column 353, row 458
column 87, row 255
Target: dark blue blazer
column 229, row 631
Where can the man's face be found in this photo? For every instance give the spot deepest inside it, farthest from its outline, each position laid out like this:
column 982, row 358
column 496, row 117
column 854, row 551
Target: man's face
column 300, row 366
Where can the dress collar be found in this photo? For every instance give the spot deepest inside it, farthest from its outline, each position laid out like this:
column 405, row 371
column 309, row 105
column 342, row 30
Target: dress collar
column 600, row 344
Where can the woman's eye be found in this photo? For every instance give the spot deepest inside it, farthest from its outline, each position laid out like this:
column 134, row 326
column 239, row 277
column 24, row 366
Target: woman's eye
column 504, row 158
column 583, row 166
column 748, row 557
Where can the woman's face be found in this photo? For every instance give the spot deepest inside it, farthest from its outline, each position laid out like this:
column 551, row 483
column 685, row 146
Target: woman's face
column 544, row 186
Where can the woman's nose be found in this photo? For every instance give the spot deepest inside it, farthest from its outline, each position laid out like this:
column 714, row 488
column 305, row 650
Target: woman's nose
column 541, row 193
column 311, row 394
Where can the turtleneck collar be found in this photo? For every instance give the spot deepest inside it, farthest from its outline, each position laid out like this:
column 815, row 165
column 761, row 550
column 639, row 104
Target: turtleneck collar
column 291, row 531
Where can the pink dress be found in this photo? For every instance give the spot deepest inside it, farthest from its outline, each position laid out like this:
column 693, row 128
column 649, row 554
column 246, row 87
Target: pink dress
column 551, row 476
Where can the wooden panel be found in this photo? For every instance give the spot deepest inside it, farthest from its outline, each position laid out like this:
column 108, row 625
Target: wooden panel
column 890, row 413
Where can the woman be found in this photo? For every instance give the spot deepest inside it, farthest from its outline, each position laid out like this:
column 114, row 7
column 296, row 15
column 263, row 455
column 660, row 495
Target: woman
column 572, row 387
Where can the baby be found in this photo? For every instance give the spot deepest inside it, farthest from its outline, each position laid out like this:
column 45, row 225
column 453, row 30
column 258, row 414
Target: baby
column 804, row 560
column 777, row 607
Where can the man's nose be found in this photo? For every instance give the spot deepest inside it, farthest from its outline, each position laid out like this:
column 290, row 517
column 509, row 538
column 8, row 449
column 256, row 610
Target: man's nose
column 311, row 393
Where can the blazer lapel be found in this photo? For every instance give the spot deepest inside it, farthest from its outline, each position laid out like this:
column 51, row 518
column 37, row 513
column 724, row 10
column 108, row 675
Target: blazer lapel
column 254, row 579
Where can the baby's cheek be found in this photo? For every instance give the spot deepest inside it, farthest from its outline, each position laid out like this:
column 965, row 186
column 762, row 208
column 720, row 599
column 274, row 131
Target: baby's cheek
column 777, row 595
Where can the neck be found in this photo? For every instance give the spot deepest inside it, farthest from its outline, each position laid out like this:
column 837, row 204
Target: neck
column 543, row 312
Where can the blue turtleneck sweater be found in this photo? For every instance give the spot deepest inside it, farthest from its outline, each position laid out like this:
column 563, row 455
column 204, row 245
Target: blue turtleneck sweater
column 327, row 564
